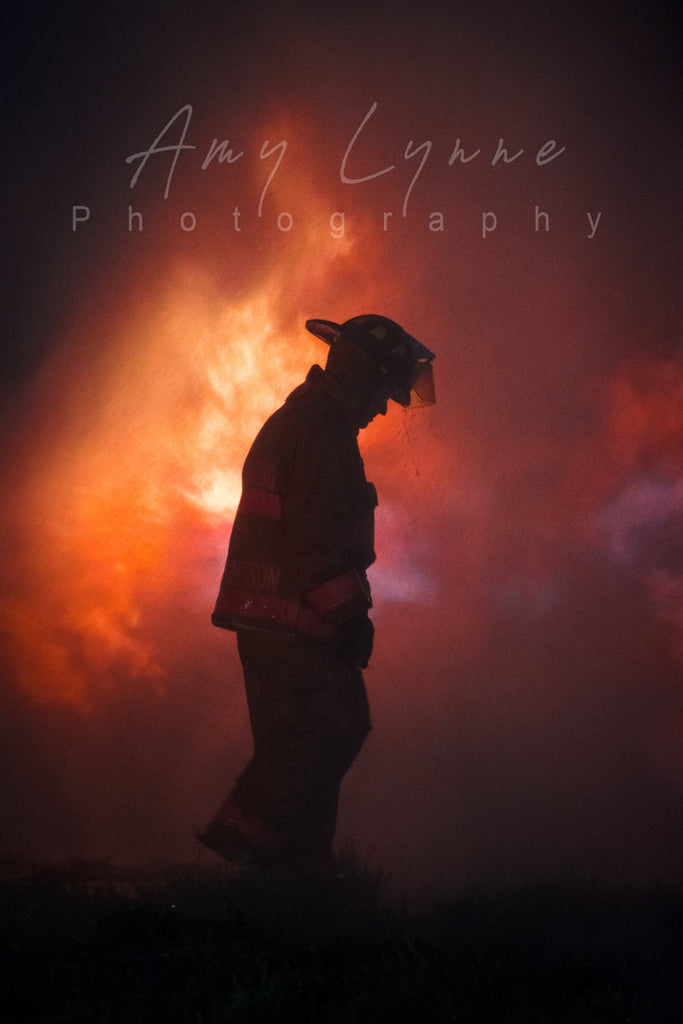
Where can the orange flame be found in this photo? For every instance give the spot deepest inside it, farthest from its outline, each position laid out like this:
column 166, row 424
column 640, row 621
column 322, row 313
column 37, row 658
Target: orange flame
column 135, row 454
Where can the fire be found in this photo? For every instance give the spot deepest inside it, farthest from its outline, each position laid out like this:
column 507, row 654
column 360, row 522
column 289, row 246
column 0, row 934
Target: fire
column 99, row 511
column 244, row 382
column 133, row 455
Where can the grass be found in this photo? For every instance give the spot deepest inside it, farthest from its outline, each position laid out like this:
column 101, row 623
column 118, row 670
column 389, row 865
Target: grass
column 92, row 943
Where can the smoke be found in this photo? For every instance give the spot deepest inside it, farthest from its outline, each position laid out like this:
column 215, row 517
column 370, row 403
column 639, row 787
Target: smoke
column 529, row 585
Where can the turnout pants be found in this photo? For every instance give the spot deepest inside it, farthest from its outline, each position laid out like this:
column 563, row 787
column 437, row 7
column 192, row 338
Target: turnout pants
column 309, row 718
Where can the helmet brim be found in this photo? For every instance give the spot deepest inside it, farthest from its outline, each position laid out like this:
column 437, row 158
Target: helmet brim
column 326, row 330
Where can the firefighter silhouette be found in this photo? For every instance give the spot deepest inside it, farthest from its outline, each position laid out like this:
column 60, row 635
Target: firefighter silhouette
column 295, row 591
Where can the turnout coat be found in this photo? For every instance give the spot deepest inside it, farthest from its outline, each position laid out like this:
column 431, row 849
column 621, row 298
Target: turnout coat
column 303, row 533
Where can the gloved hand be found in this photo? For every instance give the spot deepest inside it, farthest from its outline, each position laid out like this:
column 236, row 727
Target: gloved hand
column 356, row 636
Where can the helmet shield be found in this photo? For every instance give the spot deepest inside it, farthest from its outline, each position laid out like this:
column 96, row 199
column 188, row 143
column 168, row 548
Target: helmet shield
column 422, row 389
column 402, row 359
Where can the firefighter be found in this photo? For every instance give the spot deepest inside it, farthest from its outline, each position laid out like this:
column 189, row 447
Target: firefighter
column 296, row 593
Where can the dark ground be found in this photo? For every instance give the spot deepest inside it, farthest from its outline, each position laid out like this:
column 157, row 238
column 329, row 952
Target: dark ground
column 94, row 943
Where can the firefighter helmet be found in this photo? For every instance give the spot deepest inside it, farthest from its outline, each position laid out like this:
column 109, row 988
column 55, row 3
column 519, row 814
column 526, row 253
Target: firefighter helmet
column 406, row 363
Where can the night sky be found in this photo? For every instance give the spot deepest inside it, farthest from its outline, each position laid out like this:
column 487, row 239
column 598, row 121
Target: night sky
column 503, row 180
